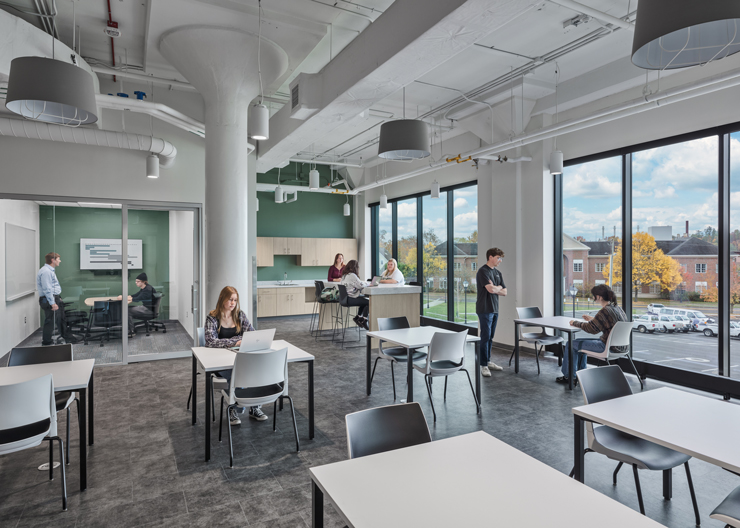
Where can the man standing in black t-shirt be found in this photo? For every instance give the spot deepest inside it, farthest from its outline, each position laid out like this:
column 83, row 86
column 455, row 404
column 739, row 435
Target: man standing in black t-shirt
column 490, row 285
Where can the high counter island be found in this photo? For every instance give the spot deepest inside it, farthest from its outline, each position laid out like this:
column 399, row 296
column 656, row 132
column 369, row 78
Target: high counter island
column 391, row 300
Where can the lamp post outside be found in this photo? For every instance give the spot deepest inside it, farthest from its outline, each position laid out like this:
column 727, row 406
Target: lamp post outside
column 430, row 281
column 573, row 292
column 465, row 285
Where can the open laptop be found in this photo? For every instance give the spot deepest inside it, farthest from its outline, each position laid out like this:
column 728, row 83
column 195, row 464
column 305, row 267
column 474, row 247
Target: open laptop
column 257, row 340
column 374, row 282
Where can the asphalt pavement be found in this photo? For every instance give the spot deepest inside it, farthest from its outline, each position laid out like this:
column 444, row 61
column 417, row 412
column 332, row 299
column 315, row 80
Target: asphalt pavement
column 692, row 351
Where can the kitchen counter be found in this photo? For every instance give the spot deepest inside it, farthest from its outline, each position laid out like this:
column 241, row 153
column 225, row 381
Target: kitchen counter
column 293, row 284
column 391, row 289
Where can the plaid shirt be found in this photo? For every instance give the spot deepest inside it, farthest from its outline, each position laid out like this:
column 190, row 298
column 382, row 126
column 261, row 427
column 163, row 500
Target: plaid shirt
column 603, row 322
column 211, row 331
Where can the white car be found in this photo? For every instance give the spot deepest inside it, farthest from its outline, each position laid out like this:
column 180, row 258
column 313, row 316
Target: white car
column 712, row 330
column 687, row 324
column 669, row 324
column 645, row 323
column 655, row 308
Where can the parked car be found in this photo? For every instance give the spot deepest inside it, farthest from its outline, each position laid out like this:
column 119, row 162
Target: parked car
column 681, row 326
column 687, row 324
column 694, row 315
column 668, row 324
column 645, row 323
column 712, row 329
column 655, row 308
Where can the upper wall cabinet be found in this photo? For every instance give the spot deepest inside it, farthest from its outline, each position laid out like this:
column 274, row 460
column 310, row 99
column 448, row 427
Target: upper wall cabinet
column 311, row 251
column 265, row 252
column 316, row 252
column 286, row 246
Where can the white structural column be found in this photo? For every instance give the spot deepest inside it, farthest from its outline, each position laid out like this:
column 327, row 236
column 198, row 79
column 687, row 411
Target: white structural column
column 222, row 64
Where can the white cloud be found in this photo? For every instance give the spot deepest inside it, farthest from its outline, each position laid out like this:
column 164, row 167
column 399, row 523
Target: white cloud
column 460, row 202
column 666, row 192
column 407, row 209
column 466, row 223
column 685, row 166
column 597, row 179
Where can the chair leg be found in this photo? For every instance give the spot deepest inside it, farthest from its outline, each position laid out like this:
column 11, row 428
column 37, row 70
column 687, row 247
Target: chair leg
column 642, row 386
column 231, row 445
column 295, row 426
column 537, row 356
column 64, row 474
column 221, row 419
column 274, row 416
column 614, row 476
column 67, row 445
column 213, row 403
column 511, row 356
column 445, row 393
column 429, row 390
column 373, row 374
column 393, row 380
column 477, row 403
column 639, row 490
column 191, row 393
column 693, row 495
column 51, row 460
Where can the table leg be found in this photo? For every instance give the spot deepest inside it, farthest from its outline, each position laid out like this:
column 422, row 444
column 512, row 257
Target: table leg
column 83, row 439
column 516, row 348
column 207, row 424
column 368, row 347
column 571, row 356
column 317, row 506
column 194, row 384
column 409, row 373
column 667, row 484
column 477, row 373
column 310, row 400
column 90, row 410
column 579, row 449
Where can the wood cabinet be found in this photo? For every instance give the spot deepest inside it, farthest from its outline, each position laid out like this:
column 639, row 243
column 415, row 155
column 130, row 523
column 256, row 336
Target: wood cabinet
column 345, row 246
column 265, row 252
column 290, row 301
column 286, row 246
column 316, row 252
column 266, row 303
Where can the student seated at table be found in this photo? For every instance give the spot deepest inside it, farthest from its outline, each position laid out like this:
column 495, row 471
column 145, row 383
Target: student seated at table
column 224, row 329
column 335, row 270
column 145, row 296
column 354, row 290
column 604, row 320
column 392, row 275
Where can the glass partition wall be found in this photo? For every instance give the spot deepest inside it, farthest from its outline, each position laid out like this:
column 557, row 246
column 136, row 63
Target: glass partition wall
column 83, row 243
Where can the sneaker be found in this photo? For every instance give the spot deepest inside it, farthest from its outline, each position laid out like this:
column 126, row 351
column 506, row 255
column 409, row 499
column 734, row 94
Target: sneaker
column 494, row 366
column 357, row 320
column 233, row 417
column 257, row 414
column 564, row 379
column 485, row 372
column 364, row 323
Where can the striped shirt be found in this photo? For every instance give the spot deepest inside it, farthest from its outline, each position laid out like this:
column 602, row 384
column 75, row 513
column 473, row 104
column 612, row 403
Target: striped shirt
column 603, row 322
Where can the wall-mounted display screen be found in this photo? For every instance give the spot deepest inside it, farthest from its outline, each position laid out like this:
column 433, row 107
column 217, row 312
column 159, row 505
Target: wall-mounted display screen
column 105, row 254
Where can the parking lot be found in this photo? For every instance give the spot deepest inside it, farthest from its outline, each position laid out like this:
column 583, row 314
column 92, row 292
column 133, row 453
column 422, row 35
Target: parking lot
column 691, row 351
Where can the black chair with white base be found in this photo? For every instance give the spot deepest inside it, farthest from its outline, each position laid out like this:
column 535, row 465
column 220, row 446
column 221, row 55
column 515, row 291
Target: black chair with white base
column 384, row 429
column 606, row 383
column 48, row 354
column 728, row 510
column 394, row 354
column 28, row 416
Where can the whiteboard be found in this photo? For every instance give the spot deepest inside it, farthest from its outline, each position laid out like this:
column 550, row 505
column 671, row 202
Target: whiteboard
column 20, row 261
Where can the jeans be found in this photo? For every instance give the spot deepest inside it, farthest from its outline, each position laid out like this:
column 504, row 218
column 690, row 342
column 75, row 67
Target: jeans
column 362, row 302
column 593, row 345
column 487, row 327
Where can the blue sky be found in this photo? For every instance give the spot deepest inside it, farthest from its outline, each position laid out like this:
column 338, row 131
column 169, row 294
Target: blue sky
column 670, row 185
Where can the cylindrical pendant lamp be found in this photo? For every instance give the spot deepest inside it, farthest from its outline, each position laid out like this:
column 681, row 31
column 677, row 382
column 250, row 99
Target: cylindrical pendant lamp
column 279, row 194
column 403, row 140
column 313, row 179
column 383, row 201
column 152, row 166
column 435, row 189
column 346, row 208
column 556, row 162
column 259, row 122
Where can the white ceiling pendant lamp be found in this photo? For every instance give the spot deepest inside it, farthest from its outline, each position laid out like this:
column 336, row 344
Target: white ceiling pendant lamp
column 279, row 194
column 313, row 179
column 672, row 34
column 435, row 189
column 259, row 116
column 383, row 200
column 404, row 139
column 258, row 205
column 152, row 166
column 346, row 208
column 556, row 157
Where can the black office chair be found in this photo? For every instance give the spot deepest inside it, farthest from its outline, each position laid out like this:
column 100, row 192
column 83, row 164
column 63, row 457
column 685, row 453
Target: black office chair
column 384, row 429
column 105, row 318
column 150, row 320
column 48, row 354
column 344, row 309
column 607, row 383
column 394, row 354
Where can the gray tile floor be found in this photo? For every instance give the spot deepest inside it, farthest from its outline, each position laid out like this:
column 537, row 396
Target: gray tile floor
column 146, row 467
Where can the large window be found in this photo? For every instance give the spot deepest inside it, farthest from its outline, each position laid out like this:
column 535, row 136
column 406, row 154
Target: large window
column 435, row 255
column 465, row 224
column 407, row 239
column 385, row 236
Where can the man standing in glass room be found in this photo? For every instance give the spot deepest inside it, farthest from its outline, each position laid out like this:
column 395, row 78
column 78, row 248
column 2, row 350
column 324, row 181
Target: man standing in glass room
column 490, row 285
column 50, row 300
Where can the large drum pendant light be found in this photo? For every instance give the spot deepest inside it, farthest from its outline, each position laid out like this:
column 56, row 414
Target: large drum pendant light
column 403, row 140
column 672, row 34
column 51, row 91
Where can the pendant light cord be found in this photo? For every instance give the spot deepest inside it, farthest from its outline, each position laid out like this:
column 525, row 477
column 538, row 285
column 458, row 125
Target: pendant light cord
column 557, row 80
column 259, row 48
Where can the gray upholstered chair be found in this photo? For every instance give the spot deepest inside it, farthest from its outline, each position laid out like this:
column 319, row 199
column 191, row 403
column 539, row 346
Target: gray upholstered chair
column 539, row 339
column 606, row 383
column 729, row 509
column 394, row 354
column 384, row 429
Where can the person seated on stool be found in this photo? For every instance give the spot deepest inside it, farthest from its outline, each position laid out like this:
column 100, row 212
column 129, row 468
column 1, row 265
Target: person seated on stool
column 354, row 291
column 392, row 275
column 224, row 329
column 145, row 296
column 336, row 269
column 604, row 320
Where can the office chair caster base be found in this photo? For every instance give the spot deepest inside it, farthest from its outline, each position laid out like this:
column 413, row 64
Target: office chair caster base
column 45, row 466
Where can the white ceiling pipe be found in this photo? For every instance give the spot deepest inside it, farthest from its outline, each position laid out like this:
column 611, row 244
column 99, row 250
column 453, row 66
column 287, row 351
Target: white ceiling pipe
column 270, row 187
column 635, row 106
column 335, row 163
column 21, row 128
column 599, row 15
column 506, row 159
column 158, row 110
column 144, row 78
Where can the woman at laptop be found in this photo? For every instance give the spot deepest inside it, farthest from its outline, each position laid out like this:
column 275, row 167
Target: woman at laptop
column 354, row 290
column 392, row 275
column 224, row 329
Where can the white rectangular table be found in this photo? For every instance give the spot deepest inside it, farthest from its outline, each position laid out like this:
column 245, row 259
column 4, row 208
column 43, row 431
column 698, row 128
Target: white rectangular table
column 469, row 480
column 556, row 323
column 411, row 339
column 76, row 376
column 705, row 428
column 216, row 359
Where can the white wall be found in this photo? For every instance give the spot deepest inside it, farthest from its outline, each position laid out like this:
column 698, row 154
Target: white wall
column 19, row 318
column 181, row 268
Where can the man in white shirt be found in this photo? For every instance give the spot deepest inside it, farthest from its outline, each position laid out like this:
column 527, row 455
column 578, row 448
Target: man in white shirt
column 50, row 301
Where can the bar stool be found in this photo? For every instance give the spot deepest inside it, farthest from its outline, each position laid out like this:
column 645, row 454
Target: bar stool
column 343, row 318
column 319, row 308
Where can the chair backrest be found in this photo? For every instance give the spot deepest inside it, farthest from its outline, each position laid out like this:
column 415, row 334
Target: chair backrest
column 392, row 323
column 40, row 354
column 414, row 283
column 319, row 288
column 447, row 346
column 156, row 302
column 386, row 428
column 528, row 312
column 343, row 296
column 107, row 313
column 259, row 369
column 201, row 336
column 27, row 413
column 620, row 335
column 603, row 383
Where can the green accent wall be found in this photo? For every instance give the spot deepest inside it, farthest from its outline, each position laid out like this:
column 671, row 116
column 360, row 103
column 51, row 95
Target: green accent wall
column 60, row 231
column 313, row 215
